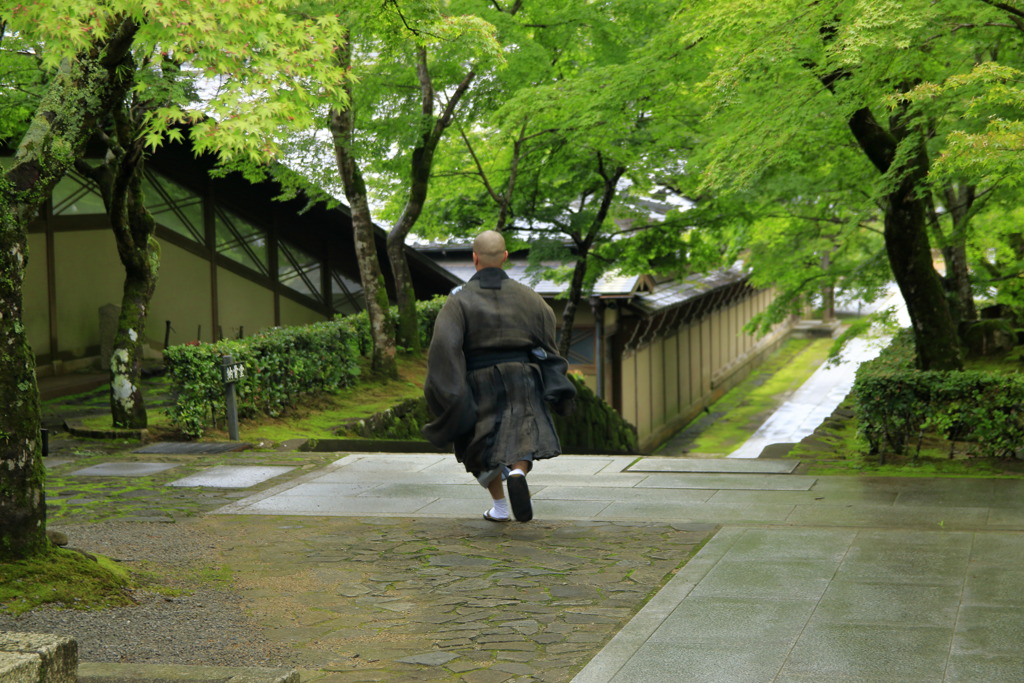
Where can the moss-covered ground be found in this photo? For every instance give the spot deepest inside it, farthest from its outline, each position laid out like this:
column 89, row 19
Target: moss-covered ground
column 63, row 577
column 838, row 448
column 733, row 418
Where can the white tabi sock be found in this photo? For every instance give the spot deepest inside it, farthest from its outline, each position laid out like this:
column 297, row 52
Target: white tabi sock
column 500, row 509
column 517, row 471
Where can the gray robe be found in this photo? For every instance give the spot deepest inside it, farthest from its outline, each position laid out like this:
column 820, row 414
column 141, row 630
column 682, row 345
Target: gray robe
column 492, row 365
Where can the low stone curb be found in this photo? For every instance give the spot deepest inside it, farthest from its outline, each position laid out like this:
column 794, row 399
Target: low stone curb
column 89, row 672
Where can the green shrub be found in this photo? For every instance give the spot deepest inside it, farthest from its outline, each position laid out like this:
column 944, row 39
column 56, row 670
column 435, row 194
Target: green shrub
column 897, row 404
column 594, row 427
column 283, row 365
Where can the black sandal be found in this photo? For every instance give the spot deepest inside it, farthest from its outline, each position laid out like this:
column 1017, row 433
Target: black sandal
column 519, row 497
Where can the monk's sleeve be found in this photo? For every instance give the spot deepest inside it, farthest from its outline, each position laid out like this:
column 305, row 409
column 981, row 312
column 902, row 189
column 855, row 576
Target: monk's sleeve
column 449, row 398
column 558, row 390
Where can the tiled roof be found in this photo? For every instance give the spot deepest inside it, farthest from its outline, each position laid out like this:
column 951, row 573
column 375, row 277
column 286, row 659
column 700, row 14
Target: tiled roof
column 675, row 292
column 644, row 293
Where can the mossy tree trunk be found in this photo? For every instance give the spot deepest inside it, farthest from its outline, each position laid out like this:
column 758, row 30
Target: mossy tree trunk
column 120, row 180
column 80, row 92
column 898, row 152
column 959, row 201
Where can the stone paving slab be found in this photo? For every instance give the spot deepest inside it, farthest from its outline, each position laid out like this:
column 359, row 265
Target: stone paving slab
column 328, row 505
column 618, row 494
column 852, row 514
column 714, row 465
column 232, row 476
column 124, row 469
column 613, row 480
column 436, row 485
column 681, row 511
column 810, row 604
column 51, row 463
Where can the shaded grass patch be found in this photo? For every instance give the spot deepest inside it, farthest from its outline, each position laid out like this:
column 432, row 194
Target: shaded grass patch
column 320, row 416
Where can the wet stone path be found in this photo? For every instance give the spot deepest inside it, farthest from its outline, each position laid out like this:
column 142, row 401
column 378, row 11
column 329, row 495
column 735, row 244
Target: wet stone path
column 372, row 599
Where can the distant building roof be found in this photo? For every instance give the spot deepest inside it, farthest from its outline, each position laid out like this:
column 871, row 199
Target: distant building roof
column 677, row 292
column 648, row 295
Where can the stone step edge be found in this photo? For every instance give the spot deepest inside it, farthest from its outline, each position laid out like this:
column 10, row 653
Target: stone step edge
column 37, row 658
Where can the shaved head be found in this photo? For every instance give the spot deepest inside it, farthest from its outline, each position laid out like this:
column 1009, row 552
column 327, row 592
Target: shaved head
column 489, row 249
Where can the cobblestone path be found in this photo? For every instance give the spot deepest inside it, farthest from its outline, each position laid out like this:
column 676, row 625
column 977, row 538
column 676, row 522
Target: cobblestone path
column 445, row 600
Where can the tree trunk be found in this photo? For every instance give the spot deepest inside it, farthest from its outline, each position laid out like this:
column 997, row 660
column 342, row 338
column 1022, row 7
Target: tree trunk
column 120, row 180
column 579, row 274
column 81, row 92
column 959, row 203
column 22, row 504
column 828, row 293
column 583, row 246
column 381, row 330
column 405, row 295
column 420, row 166
column 910, row 257
column 906, row 242
column 140, row 255
column 381, row 333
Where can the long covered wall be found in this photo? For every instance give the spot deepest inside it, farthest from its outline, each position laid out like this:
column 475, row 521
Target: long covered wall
column 221, row 274
column 668, row 377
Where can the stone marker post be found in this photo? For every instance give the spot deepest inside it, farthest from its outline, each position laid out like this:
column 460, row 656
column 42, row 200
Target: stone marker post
column 231, row 373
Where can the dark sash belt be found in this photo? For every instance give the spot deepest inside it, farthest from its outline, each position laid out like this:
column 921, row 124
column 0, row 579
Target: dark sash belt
column 479, row 361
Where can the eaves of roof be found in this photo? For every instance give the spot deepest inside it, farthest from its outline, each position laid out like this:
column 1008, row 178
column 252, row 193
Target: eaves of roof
column 642, row 293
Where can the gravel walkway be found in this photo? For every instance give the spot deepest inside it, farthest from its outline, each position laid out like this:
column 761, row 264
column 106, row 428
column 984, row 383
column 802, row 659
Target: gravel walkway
column 200, row 624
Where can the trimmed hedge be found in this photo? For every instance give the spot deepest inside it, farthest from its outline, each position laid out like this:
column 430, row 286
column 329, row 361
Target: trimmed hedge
column 897, row 404
column 283, row 365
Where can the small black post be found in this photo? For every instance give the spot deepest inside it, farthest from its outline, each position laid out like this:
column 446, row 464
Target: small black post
column 45, row 433
column 167, row 334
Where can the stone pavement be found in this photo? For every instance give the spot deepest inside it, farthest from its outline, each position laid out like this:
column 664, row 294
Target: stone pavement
column 812, row 579
column 807, row 578
column 435, row 599
column 377, row 567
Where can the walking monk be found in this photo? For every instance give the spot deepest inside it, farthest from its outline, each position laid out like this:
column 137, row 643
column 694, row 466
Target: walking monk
column 492, row 367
